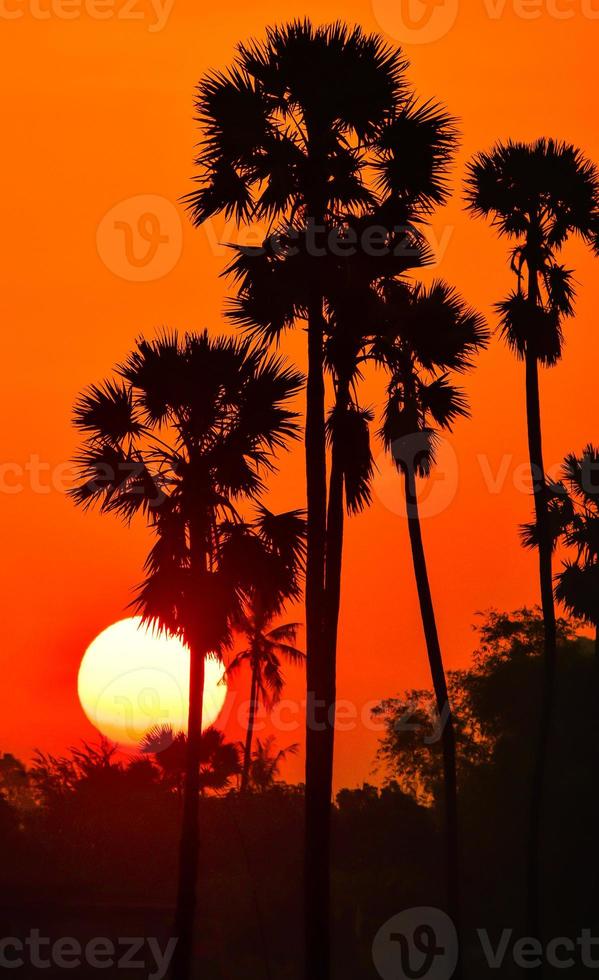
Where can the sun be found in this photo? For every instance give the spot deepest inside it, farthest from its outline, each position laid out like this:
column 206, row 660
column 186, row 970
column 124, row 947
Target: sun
column 132, row 678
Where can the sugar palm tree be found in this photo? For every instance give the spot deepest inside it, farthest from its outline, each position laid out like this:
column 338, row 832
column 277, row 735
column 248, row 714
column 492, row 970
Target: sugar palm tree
column 267, row 647
column 187, row 429
column 577, row 586
column 219, row 759
column 293, row 133
column 424, row 335
column 538, row 195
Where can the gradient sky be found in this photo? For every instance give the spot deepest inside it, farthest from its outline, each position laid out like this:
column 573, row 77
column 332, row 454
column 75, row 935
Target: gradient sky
column 100, row 113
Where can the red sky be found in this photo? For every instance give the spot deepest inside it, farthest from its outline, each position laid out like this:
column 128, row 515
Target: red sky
column 99, row 113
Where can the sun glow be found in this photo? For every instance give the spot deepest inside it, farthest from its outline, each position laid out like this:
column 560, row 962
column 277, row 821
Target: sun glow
column 132, row 678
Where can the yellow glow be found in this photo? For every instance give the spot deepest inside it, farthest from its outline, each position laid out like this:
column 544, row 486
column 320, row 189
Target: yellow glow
column 132, row 678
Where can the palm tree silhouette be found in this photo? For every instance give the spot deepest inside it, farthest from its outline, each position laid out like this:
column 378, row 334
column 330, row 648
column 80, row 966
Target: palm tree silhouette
column 266, row 763
column 186, row 431
column 219, row 759
column 538, row 195
column 424, row 335
column 266, row 647
column 578, row 582
column 310, row 131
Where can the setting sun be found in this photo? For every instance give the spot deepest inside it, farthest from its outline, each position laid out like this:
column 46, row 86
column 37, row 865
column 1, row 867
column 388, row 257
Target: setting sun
column 132, row 678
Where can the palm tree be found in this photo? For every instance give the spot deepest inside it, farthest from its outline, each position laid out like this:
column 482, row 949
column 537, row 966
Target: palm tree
column 538, row 195
column 219, row 759
column 266, row 647
column 577, row 586
column 292, row 135
column 424, row 335
column 266, row 763
column 185, row 431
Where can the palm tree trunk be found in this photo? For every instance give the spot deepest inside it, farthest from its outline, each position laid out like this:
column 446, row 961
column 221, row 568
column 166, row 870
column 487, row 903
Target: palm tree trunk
column 320, row 683
column 334, row 559
column 442, row 699
column 320, row 687
column 189, row 849
column 539, row 778
column 247, row 752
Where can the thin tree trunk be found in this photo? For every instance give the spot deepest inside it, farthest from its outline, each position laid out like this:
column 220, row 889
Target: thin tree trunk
column 320, row 707
column 334, row 561
column 539, row 779
column 189, row 849
column 319, row 732
column 247, row 753
column 442, row 700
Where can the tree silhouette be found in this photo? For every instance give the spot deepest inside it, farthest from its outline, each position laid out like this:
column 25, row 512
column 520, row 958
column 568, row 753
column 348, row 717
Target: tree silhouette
column 318, row 154
column 424, row 335
column 266, row 648
column 219, row 759
column 574, row 518
column 578, row 582
column 277, row 558
column 538, row 195
column 15, row 783
column 266, row 763
column 182, row 435
column 285, row 143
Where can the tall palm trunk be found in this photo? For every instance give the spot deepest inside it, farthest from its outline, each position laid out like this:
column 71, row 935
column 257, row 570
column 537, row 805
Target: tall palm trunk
column 334, row 540
column 441, row 696
column 247, row 752
column 539, row 779
column 319, row 678
column 189, row 849
column 320, row 684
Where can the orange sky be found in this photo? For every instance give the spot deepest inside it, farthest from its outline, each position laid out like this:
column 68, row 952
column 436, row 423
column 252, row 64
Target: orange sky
column 98, row 110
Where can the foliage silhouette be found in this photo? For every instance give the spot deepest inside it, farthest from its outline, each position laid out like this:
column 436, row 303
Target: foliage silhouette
column 423, row 335
column 266, row 647
column 538, row 195
column 183, row 435
column 266, row 764
column 99, row 859
column 310, row 152
column 219, row 759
